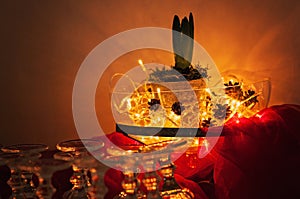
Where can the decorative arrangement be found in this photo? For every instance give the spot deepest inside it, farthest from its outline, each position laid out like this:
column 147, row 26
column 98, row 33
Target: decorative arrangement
column 163, row 101
column 155, row 102
column 153, row 111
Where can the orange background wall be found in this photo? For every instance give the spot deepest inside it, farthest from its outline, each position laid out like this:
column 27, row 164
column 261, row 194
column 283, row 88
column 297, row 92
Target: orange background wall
column 43, row 44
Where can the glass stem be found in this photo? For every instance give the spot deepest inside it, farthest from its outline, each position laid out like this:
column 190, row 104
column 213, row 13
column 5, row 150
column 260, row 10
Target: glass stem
column 29, row 189
column 151, row 181
column 170, row 188
column 16, row 184
column 169, row 182
column 78, row 178
column 98, row 188
column 129, row 183
column 130, row 186
column 45, row 190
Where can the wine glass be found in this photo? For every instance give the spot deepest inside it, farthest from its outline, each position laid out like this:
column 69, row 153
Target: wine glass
column 25, row 150
column 15, row 162
column 161, row 152
column 44, row 169
column 96, row 190
column 128, row 165
column 12, row 160
column 97, row 170
column 79, row 149
column 170, row 188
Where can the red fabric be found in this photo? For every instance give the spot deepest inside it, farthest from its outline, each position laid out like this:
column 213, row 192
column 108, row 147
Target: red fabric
column 112, row 180
column 257, row 157
column 260, row 157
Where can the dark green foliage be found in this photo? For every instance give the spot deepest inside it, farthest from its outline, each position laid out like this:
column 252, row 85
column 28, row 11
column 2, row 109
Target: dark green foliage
column 182, row 46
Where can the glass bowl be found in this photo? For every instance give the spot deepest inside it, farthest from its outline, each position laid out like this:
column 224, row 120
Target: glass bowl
column 163, row 108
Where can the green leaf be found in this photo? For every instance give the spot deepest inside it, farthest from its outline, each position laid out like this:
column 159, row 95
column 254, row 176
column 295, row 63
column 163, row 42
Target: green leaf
column 182, row 46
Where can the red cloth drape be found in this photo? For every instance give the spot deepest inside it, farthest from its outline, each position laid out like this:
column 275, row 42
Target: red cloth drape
column 260, row 156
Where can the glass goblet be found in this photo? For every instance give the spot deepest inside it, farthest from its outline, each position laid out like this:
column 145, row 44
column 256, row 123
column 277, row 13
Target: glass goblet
column 130, row 183
column 78, row 178
column 96, row 190
column 26, row 150
column 79, row 149
column 97, row 171
column 170, row 188
column 44, row 169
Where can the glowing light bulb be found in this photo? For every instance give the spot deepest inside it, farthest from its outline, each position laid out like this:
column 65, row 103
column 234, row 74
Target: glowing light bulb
column 196, row 141
column 159, row 95
column 258, row 115
column 128, row 103
column 208, row 90
column 142, row 65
